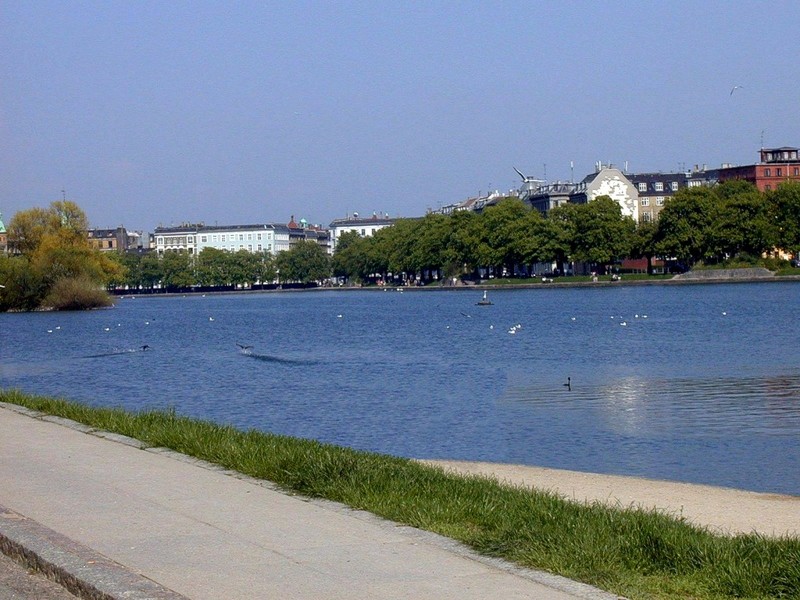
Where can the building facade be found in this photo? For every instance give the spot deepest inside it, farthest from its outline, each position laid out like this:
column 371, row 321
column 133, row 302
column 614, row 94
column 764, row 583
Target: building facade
column 262, row 237
column 609, row 181
column 265, row 237
column 654, row 189
column 549, row 195
column 776, row 166
column 364, row 227
column 114, row 240
column 176, row 239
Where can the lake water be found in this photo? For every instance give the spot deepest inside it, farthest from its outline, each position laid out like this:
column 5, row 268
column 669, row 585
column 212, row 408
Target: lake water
column 700, row 384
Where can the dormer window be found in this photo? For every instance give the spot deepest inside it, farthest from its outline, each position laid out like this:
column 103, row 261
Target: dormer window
column 643, row 187
column 659, row 186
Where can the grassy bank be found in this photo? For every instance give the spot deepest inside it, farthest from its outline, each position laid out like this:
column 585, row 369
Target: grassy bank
column 638, row 554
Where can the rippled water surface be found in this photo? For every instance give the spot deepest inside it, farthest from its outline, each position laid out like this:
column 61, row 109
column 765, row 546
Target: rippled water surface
column 691, row 383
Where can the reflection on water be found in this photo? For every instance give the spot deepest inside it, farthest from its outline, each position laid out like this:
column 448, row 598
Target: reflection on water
column 689, row 407
column 705, row 388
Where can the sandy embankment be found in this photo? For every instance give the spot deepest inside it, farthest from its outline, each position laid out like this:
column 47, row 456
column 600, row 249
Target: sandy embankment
column 722, row 510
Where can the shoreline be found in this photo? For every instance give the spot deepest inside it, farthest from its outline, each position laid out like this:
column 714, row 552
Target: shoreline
column 725, row 511
column 555, row 284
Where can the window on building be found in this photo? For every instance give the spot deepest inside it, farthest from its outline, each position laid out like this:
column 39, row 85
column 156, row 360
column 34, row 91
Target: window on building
column 259, row 236
column 767, row 172
column 674, row 186
column 659, row 186
column 222, row 238
column 645, row 201
column 796, row 171
column 160, row 241
column 250, row 247
column 363, row 232
column 259, row 248
column 191, row 239
column 203, row 238
column 659, row 200
column 249, row 236
column 646, row 217
column 643, row 187
column 241, row 238
column 767, row 187
column 778, row 172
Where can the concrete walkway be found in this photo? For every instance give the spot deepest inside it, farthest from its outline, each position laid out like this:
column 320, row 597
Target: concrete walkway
column 118, row 521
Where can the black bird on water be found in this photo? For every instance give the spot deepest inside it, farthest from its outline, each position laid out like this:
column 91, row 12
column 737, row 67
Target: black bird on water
column 243, row 347
column 568, row 385
column 145, row 347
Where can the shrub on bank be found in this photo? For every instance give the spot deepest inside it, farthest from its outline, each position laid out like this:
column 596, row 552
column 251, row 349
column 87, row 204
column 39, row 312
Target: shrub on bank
column 76, row 293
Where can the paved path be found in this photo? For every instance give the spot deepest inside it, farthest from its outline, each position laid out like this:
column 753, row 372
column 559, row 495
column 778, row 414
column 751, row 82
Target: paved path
column 140, row 523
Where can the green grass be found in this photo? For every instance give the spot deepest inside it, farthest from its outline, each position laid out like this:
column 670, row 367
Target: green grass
column 635, row 553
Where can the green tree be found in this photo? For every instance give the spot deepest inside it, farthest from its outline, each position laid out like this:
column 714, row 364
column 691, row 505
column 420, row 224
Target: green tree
column 398, row 242
column 55, row 245
column 264, row 265
column 24, row 286
column 213, row 268
column 557, row 234
column 28, row 227
column 248, row 268
column 350, row 256
column 305, row 262
column 151, row 272
column 428, row 251
column 643, row 244
column 177, row 271
column 684, row 224
column 509, row 237
column 463, row 242
column 784, row 206
column 602, row 234
column 742, row 224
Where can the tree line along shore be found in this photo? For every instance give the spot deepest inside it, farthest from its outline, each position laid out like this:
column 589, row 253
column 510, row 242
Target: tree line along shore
column 51, row 264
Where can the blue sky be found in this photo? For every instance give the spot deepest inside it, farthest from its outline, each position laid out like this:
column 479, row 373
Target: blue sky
column 157, row 113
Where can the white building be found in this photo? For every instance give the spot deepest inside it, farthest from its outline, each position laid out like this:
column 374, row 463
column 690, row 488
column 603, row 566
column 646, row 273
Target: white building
column 266, row 237
column 611, row 182
column 364, row 227
column 175, row 239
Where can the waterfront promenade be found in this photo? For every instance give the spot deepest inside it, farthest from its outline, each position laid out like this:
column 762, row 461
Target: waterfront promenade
column 132, row 523
column 111, row 517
